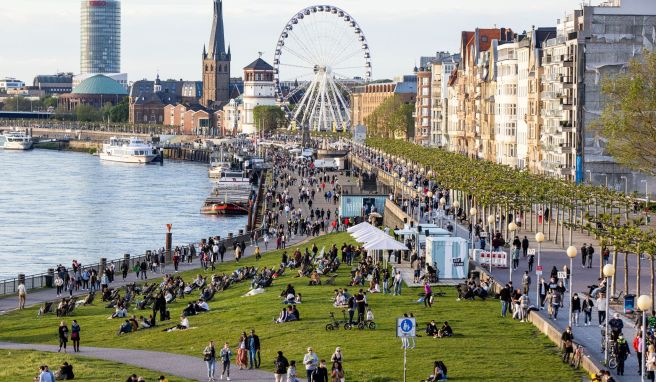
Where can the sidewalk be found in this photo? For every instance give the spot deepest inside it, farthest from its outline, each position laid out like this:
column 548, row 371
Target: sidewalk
column 167, row 363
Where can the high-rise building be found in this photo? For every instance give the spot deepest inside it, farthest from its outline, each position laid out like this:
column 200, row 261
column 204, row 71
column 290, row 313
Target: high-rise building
column 100, row 36
column 216, row 64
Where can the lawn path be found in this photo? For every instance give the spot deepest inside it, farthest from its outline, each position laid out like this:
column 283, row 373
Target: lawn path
column 169, row 364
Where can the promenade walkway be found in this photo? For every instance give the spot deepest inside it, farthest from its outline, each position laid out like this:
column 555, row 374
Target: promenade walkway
column 167, row 363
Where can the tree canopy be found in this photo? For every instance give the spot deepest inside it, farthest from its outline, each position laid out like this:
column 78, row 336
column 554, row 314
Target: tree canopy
column 268, row 118
column 628, row 120
column 391, row 119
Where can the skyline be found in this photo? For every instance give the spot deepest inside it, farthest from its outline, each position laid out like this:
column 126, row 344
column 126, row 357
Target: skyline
column 168, row 39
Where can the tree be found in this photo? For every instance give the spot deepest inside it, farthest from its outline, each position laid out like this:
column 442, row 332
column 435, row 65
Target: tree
column 18, row 104
column 391, row 119
column 268, row 118
column 48, row 102
column 628, row 120
column 87, row 113
column 120, row 112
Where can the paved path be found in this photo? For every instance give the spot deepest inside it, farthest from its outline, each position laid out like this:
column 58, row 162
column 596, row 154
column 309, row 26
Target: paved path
column 169, row 364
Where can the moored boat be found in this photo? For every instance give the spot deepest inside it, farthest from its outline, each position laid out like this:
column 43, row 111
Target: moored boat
column 127, row 150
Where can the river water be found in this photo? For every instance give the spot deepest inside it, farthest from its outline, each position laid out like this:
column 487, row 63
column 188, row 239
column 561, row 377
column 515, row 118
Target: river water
column 57, row 206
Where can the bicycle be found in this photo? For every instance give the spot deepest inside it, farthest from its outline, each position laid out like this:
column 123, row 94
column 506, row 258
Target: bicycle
column 335, row 323
column 578, row 356
column 611, row 362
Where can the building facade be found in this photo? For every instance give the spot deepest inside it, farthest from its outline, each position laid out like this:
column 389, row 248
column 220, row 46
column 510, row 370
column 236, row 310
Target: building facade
column 100, row 36
column 365, row 99
column 216, row 64
column 259, row 90
column 59, row 83
column 7, row 84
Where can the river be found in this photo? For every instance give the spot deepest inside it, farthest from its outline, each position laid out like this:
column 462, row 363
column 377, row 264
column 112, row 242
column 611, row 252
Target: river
column 56, row 206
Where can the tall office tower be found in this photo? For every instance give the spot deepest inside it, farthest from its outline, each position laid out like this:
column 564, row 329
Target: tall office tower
column 100, row 36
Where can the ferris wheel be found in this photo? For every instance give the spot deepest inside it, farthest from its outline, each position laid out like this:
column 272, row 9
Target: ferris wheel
column 321, row 54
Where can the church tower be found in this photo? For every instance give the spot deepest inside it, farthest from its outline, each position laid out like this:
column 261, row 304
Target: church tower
column 216, row 63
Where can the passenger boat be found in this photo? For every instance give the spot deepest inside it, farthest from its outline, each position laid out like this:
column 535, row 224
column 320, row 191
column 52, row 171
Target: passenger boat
column 217, row 165
column 16, row 140
column 232, row 195
column 127, row 150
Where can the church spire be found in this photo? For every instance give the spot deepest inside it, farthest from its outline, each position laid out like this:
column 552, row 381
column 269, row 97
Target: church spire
column 217, row 38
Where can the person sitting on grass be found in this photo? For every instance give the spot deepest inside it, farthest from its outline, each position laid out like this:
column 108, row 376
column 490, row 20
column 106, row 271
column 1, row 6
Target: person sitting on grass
column 373, row 286
column 295, row 315
column 145, row 323
column 65, row 372
column 190, row 310
column 445, row 330
column 339, row 300
column 289, row 299
column 431, row 329
column 439, row 372
column 298, row 299
column 282, row 317
column 183, row 325
column 126, row 327
column 315, row 279
column 120, row 312
column 288, row 290
column 202, row 306
column 134, row 323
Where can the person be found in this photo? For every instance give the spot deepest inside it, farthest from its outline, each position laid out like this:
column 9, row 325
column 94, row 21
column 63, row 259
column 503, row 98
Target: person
column 254, row 350
column 258, row 253
column 616, row 325
column 337, row 355
column 209, row 356
column 282, row 317
column 63, row 336
column 126, row 327
column 525, row 246
column 46, row 375
column 568, row 347
column 439, row 371
column 280, row 365
column 22, row 295
column 320, row 374
column 310, row 360
column 225, row 355
column 505, row 298
column 291, row 372
column 576, row 309
column 431, row 329
column 638, row 346
column 587, row 306
column 622, row 351
column 590, row 252
column 445, row 330
column 65, row 372
column 651, row 362
column 75, row 336
column 428, row 294
column 584, row 255
column 543, row 287
column 242, row 357
column 398, row 281
column 337, row 372
column 601, row 309
column 526, row 282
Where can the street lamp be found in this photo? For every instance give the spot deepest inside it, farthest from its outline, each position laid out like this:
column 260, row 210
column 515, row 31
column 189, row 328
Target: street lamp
column 644, row 304
column 646, row 194
column 609, row 271
column 472, row 215
column 512, row 227
column 539, row 238
column 429, row 194
column 456, row 205
column 571, row 253
column 490, row 223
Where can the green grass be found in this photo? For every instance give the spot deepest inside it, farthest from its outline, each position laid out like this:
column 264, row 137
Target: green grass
column 25, row 364
column 485, row 347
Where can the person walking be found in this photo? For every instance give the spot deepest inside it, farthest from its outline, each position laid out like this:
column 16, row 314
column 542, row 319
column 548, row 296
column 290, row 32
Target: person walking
column 576, row 309
column 542, row 291
column 526, row 282
column 75, row 336
column 22, row 295
column 590, row 252
column 623, row 352
column 311, row 361
column 397, row 283
column 505, row 298
column 320, row 374
column 242, row 356
column 280, row 366
column 209, row 356
column 337, row 372
column 254, row 350
column 638, row 346
column 587, row 306
column 226, row 355
column 584, row 255
column 63, row 336
column 568, row 346
column 525, row 246
column 601, row 309
column 428, row 294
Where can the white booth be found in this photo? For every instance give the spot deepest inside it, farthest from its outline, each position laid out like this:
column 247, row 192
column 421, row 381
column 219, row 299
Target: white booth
column 449, row 255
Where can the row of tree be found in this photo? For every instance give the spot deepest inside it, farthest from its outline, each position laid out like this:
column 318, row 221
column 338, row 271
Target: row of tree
column 391, row 119
column 83, row 113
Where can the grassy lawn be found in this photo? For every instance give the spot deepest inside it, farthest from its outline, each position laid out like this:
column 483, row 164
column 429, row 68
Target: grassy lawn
column 25, row 364
column 485, row 347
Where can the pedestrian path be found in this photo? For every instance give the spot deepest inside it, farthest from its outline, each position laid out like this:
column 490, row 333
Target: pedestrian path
column 168, row 364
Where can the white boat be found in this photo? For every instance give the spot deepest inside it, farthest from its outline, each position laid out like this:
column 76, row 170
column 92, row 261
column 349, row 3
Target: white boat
column 127, row 150
column 217, row 168
column 16, row 140
column 233, row 179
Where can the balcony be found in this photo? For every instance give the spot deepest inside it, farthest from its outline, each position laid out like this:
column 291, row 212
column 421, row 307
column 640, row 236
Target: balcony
column 566, row 103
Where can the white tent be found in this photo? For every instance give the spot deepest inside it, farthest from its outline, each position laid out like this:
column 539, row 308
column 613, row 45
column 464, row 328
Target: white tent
column 366, row 237
column 358, row 227
column 385, row 243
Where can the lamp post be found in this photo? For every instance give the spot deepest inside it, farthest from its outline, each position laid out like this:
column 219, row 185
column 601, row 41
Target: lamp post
column 490, row 223
column 411, row 184
column 512, row 227
column 472, row 215
column 539, row 238
column 430, row 206
column 609, row 271
column 402, row 191
column 571, row 253
column 456, row 205
column 646, row 195
column 644, row 304
column 626, row 184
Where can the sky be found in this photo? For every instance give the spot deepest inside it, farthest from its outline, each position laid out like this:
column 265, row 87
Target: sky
column 167, row 36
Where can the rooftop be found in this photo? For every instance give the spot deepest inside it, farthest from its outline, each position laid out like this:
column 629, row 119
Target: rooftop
column 99, row 84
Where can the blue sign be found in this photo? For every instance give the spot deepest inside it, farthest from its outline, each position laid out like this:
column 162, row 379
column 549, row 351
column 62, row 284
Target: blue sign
column 406, row 327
